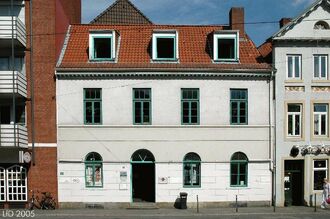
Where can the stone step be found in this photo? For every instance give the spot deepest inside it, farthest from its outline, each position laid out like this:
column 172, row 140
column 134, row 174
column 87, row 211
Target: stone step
column 143, row 205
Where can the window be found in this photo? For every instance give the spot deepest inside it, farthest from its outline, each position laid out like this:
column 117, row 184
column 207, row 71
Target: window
column 92, row 106
column 5, row 63
column 190, row 106
column 320, row 66
column 294, row 66
column 294, row 119
column 226, row 46
column 321, row 25
column 238, row 169
column 320, row 119
column 142, row 106
column 165, row 46
column 2, row 185
column 320, row 172
column 239, row 106
column 16, row 183
column 101, row 46
column 93, row 170
column 192, row 170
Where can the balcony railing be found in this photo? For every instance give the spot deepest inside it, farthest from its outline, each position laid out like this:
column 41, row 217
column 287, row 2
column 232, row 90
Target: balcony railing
column 7, row 136
column 6, row 29
column 10, row 84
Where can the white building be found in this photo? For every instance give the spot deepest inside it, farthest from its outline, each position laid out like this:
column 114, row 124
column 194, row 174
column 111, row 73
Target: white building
column 147, row 111
column 301, row 52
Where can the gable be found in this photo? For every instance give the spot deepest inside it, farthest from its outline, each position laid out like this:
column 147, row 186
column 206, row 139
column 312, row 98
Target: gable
column 121, row 12
column 302, row 27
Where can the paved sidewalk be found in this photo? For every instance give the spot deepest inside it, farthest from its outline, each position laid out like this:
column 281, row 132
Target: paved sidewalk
column 246, row 212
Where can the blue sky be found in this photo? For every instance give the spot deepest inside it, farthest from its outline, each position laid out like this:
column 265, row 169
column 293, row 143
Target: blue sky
column 209, row 12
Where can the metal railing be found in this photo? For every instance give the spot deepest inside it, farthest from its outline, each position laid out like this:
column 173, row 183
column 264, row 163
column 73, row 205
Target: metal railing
column 7, row 133
column 19, row 31
column 7, row 86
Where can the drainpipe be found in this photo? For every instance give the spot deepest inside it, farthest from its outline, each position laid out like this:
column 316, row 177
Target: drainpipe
column 13, row 69
column 274, row 145
column 32, row 86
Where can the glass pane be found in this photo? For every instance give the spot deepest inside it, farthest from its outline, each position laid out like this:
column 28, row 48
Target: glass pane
column 316, row 125
column 88, row 112
column 242, row 112
column 195, row 95
column 242, row 168
column 102, row 48
column 290, row 64
column 318, row 179
column 97, row 112
column 323, row 124
column 226, row 48
column 297, row 124
column 290, row 124
column 165, row 48
column 137, row 109
column 323, row 66
column 184, row 94
column 242, row 179
column 136, row 94
column 4, row 64
column 146, row 112
column 297, row 66
column 320, row 163
column 89, row 176
column 233, row 179
column 98, row 175
column 316, row 66
column 320, row 107
column 194, row 109
column 293, row 108
column 186, row 169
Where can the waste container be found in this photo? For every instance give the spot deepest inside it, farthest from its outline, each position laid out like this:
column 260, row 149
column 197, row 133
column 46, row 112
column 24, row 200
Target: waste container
column 183, row 200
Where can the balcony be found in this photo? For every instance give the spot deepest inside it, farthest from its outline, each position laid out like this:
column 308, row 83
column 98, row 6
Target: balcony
column 10, row 84
column 7, row 136
column 6, row 32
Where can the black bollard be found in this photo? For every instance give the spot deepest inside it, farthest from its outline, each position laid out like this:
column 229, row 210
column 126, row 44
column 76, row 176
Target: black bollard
column 236, row 204
column 197, row 204
column 315, row 202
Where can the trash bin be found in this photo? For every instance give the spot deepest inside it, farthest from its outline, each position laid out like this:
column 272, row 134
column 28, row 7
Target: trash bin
column 183, row 200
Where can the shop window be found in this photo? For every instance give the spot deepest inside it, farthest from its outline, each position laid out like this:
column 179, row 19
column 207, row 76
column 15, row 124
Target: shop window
column 192, row 170
column 93, row 170
column 320, row 173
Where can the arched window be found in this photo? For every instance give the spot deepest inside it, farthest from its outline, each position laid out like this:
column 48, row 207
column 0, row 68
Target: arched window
column 93, row 170
column 16, row 183
column 238, row 169
column 321, row 25
column 192, row 170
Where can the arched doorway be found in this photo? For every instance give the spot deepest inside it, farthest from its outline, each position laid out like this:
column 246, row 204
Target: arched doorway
column 143, row 176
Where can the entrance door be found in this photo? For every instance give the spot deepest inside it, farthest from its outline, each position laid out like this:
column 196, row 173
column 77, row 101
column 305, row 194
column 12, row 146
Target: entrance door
column 143, row 176
column 294, row 182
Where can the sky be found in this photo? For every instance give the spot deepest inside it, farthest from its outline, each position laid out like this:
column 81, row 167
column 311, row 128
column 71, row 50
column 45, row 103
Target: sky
column 210, row 12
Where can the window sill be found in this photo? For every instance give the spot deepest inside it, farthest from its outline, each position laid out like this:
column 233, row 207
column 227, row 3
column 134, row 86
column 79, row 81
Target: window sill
column 159, row 61
column 226, row 61
column 294, row 138
column 320, row 138
column 101, row 60
column 192, row 187
column 238, row 187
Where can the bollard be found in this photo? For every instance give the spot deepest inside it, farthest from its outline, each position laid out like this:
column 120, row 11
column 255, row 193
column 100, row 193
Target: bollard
column 315, row 202
column 236, row 204
column 197, row 204
column 274, row 204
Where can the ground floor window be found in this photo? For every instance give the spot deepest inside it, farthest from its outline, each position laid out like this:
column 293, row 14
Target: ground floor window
column 93, row 170
column 13, row 184
column 238, row 169
column 320, row 172
column 192, row 170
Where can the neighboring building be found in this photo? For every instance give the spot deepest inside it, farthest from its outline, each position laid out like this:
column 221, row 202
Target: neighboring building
column 148, row 111
column 121, row 12
column 50, row 21
column 301, row 50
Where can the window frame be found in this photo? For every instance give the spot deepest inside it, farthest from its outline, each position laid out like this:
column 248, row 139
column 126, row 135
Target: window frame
column 293, row 67
column 319, row 114
column 111, row 36
column 165, row 34
column 326, row 169
column 198, row 175
column 239, row 163
column 93, row 101
column 11, row 185
column 238, row 101
column 293, row 114
column 93, row 164
column 225, row 35
column 190, row 101
column 319, row 65
column 3, row 187
column 142, row 103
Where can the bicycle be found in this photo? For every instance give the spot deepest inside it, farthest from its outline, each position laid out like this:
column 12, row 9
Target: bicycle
column 47, row 202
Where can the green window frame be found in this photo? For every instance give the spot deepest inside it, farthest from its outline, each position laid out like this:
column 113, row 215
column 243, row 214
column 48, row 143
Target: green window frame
column 104, row 40
column 238, row 106
column 141, row 106
column 92, row 106
column 93, row 170
column 191, row 170
column 239, row 170
column 190, row 106
column 225, row 39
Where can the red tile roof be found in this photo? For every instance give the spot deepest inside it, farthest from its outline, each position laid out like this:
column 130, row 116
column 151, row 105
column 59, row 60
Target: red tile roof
column 195, row 48
column 265, row 50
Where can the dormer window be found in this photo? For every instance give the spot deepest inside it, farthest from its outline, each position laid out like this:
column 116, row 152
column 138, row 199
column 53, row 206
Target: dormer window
column 321, row 25
column 102, row 46
column 226, row 46
column 165, row 46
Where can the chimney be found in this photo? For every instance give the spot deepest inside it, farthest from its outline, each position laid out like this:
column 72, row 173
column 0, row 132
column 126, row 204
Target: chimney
column 284, row 21
column 236, row 20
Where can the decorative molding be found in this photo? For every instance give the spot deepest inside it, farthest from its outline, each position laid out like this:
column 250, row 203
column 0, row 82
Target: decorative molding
column 320, row 88
column 44, row 145
column 295, row 88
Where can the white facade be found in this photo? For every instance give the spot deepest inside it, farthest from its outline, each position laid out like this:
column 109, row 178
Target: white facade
column 300, row 38
column 215, row 140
